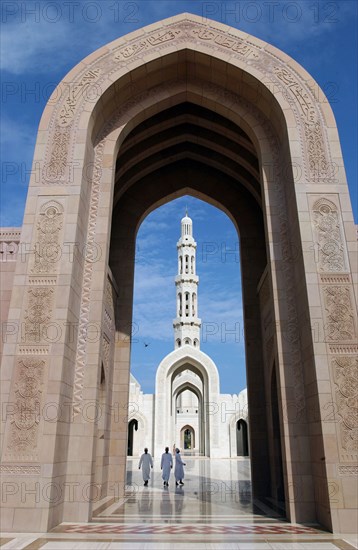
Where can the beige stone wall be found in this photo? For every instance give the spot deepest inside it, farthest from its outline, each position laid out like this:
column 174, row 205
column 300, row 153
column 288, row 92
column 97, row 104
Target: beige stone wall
column 9, row 241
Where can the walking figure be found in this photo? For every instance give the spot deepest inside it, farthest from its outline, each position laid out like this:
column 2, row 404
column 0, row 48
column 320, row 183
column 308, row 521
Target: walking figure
column 166, row 465
column 179, row 470
column 147, row 462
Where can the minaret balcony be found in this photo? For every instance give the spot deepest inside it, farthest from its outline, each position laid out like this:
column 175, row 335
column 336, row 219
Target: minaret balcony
column 186, row 321
column 187, row 241
column 186, row 278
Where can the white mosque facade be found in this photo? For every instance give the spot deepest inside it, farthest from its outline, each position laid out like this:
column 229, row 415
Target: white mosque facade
column 187, row 408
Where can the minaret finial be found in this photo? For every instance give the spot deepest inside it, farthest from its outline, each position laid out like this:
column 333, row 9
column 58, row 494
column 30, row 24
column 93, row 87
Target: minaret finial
column 186, row 210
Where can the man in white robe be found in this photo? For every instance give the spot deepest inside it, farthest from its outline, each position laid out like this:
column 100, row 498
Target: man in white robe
column 179, row 470
column 166, row 465
column 147, row 463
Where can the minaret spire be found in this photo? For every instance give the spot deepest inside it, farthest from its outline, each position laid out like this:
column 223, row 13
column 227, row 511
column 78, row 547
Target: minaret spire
column 187, row 324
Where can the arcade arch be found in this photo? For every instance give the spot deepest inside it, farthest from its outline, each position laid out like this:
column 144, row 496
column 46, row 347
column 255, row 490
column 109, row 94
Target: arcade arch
column 186, row 368
column 189, row 381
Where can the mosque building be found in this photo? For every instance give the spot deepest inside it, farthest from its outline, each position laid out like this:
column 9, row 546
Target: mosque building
column 187, row 409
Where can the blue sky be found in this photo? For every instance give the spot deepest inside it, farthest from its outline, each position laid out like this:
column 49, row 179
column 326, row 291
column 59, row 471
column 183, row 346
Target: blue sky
column 41, row 41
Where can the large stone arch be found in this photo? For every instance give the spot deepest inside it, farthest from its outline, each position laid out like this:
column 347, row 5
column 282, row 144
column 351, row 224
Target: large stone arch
column 179, row 360
column 295, row 142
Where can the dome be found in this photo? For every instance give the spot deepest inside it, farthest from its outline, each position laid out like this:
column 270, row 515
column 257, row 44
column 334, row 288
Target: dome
column 186, row 218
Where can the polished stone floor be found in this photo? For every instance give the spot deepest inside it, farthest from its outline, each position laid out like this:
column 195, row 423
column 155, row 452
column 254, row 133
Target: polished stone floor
column 213, row 511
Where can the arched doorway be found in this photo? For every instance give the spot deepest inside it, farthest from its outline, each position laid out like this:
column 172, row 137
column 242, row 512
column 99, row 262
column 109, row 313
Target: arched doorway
column 187, row 439
column 191, row 107
column 242, row 444
column 188, row 407
column 132, row 427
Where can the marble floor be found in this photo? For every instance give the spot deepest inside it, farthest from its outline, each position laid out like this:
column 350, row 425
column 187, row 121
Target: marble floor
column 213, row 510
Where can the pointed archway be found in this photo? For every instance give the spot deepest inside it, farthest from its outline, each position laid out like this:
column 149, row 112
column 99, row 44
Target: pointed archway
column 268, row 155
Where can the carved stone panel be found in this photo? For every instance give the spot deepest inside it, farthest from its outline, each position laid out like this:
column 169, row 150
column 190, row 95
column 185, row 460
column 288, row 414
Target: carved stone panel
column 328, row 233
column 27, row 400
column 38, row 314
column 55, row 169
column 340, row 323
column 345, row 376
column 47, row 247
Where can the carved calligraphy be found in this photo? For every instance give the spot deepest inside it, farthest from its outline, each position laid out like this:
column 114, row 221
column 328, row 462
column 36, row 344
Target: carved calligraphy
column 234, row 44
column 76, row 92
column 301, row 95
column 317, row 160
column 153, row 40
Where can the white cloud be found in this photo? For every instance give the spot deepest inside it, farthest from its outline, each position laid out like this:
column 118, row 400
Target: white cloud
column 34, row 47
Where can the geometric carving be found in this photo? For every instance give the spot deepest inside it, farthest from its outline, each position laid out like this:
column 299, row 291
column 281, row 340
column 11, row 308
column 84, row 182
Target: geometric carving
column 47, row 249
column 37, row 280
column 86, row 283
column 345, row 376
column 24, row 421
column 340, row 278
column 34, row 350
column 109, row 302
column 348, row 471
column 340, row 320
column 38, row 313
column 329, row 236
column 20, row 469
column 343, row 349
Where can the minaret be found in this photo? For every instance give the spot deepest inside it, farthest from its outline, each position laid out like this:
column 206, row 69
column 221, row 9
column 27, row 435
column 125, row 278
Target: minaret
column 187, row 324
